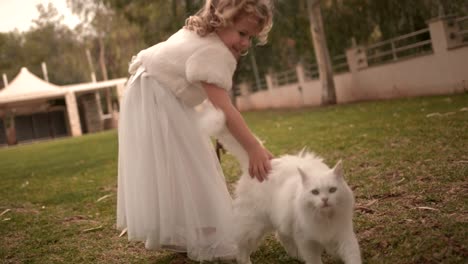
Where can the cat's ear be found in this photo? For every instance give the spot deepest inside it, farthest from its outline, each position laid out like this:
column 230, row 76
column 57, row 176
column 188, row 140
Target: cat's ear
column 303, row 175
column 303, row 152
column 338, row 170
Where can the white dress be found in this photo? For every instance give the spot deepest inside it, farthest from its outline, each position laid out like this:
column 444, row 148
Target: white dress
column 171, row 190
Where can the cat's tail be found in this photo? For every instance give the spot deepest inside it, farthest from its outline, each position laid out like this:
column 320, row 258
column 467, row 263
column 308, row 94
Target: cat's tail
column 212, row 122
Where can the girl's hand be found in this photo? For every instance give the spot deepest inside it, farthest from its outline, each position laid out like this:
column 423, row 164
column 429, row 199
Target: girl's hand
column 259, row 157
column 259, row 162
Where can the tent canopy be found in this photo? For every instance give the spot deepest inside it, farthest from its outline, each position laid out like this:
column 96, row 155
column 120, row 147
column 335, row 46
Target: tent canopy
column 93, row 86
column 27, row 86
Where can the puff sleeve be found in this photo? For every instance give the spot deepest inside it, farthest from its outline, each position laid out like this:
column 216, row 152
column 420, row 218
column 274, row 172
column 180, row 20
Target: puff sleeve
column 212, row 64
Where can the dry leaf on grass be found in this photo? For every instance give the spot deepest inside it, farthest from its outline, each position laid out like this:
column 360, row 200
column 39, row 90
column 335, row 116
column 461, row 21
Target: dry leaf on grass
column 103, row 197
column 371, row 202
column 433, row 114
column 92, row 229
column 75, row 218
column 439, row 114
column 123, row 232
column 5, row 211
column 365, row 209
column 426, row 208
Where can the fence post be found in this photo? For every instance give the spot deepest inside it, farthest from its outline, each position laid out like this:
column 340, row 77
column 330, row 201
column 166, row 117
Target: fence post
column 300, row 73
column 356, row 58
column 352, row 58
column 301, row 80
column 443, row 34
column 244, row 88
column 394, row 55
column 269, row 81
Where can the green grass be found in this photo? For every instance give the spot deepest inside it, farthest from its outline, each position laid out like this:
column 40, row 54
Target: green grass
column 408, row 172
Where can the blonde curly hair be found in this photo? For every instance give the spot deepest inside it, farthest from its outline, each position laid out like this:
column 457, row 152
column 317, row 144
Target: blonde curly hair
column 221, row 13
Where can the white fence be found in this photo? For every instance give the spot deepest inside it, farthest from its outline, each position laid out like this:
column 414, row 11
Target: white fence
column 461, row 30
column 400, row 47
column 426, row 62
column 285, row 77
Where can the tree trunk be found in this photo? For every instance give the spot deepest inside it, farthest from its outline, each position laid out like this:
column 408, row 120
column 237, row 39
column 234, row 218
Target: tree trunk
column 91, row 67
column 102, row 59
column 102, row 62
column 321, row 53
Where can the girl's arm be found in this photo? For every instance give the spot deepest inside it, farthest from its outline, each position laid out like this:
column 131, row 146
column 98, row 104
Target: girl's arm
column 259, row 157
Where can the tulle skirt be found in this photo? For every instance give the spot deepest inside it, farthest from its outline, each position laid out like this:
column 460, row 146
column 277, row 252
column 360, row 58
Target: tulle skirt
column 171, row 190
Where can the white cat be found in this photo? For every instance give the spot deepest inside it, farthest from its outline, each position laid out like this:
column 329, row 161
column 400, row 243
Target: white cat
column 307, row 204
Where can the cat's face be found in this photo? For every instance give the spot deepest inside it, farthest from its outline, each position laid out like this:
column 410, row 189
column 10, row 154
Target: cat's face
column 323, row 190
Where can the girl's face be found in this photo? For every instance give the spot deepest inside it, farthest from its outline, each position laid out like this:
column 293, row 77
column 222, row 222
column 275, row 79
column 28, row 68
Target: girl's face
column 238, row 36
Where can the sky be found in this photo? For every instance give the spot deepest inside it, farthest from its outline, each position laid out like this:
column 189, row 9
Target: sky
column 20, row 13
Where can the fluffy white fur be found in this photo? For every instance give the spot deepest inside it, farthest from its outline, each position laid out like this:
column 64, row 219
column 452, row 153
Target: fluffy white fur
column 307, row 204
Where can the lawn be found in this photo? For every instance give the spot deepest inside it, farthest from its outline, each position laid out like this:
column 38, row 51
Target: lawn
column 406, row 160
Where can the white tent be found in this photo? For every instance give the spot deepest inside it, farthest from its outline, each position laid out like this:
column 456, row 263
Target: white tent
column 26, row 95
column 27, row 86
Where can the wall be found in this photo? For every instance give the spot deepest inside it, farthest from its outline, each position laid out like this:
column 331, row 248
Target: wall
column 444, row 71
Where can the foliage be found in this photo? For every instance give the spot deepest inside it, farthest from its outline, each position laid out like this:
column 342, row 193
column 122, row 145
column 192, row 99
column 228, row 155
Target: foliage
column 54, row 43
column 10, row 53
column 114, row 30
column 405, row 160
column 290, row 41
column 64, row 50
column 372, row 21
column 108, row 34
column 47, row 41
column 159, row 19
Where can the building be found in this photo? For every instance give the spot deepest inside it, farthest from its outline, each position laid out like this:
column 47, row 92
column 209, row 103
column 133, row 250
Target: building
column 33, row 109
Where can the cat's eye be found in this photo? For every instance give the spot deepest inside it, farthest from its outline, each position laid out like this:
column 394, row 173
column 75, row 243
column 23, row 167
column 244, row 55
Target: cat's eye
column 332, row 189
column 315, row 192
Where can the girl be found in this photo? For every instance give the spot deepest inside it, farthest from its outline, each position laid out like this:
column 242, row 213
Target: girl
column 171, row 190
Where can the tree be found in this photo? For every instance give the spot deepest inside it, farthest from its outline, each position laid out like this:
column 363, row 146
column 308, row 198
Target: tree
column 321, row 52
column 158, row 19
column 11, row 53
column 108, row 35
column 50, row 41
